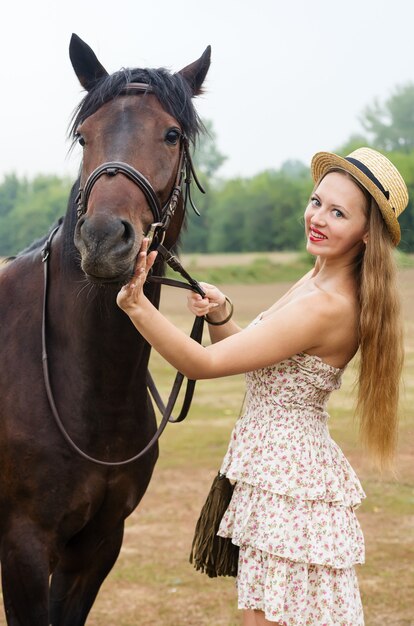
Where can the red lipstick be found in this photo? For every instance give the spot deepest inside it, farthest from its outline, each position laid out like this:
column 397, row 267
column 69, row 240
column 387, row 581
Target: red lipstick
column 315, row 235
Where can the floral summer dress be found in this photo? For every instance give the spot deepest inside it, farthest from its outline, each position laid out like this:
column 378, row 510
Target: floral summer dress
column 292, row 510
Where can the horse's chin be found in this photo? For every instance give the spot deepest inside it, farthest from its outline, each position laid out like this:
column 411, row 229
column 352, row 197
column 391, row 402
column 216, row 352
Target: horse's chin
column 117, row 281
column 106, row 274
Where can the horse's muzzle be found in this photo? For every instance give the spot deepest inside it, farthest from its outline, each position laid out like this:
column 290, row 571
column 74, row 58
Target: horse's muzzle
column 107, row 247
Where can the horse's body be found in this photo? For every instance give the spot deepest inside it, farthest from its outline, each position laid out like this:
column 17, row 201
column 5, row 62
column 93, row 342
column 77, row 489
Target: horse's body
column 62, row 516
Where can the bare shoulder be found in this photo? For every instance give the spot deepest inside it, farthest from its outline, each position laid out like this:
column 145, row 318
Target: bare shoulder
column 330, row 305
column 333, row 317
column 316, row 306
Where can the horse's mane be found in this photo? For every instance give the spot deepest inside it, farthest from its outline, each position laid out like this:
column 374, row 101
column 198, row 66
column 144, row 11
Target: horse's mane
column 172, row 90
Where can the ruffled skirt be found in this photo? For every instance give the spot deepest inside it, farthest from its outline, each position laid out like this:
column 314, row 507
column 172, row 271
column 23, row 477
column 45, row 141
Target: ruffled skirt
column 298, row 594
column 296, row 557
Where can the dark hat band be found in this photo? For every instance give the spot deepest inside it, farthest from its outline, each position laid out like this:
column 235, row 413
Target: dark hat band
column 365, row 170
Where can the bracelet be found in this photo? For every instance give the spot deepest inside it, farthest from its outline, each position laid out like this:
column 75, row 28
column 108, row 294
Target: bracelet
column 226, row 319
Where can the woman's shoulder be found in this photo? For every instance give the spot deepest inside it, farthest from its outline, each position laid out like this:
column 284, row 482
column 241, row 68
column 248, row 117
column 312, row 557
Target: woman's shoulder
column 335, row 314
column 327, row 302
column 324, row 304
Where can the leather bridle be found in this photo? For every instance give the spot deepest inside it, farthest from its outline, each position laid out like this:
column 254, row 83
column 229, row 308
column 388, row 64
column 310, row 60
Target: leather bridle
column 162, row 214
column 162, row 218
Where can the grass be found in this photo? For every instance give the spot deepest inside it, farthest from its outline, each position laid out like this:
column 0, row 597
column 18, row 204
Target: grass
column 260, row 268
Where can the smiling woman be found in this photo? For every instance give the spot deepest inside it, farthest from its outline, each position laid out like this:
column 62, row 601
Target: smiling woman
column 292, row 511
column 337, row 229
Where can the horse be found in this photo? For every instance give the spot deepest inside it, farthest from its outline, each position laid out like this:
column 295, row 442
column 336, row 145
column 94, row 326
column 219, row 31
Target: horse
column 62, row 514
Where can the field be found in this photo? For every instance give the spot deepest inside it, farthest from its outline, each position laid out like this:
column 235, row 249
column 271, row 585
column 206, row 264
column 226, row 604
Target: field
column 153, row 583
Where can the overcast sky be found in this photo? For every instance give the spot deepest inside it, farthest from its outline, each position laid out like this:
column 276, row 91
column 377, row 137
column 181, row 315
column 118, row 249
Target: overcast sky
column 288, row 77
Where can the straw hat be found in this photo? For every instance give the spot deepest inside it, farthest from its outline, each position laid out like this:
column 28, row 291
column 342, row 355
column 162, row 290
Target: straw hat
column 377, row 174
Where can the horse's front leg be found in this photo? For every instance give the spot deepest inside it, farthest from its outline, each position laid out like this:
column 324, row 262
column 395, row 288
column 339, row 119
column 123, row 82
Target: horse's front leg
column 86, row 562
column 25, row 566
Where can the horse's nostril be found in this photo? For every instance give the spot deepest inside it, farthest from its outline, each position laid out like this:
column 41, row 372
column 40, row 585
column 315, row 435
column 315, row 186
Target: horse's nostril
column 128, row 233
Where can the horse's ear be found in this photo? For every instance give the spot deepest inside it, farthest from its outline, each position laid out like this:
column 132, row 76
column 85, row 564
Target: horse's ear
column 85, row 63
column 196, row 72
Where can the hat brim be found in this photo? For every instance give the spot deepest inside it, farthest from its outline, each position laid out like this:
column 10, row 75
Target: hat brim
column 323, row 162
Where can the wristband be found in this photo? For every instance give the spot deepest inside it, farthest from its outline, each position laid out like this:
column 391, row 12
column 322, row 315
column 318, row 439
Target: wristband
column 209, row 321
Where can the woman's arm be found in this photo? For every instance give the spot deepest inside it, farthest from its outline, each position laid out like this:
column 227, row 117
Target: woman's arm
column 301, row 326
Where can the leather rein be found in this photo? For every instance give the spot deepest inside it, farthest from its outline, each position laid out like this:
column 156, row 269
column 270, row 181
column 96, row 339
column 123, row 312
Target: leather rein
column 162, row 219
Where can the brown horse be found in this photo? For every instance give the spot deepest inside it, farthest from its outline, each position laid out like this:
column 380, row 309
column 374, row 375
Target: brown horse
column 62, row 515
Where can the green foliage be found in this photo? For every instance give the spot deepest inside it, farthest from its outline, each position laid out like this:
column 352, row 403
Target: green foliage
column 404, row 162
column 195, row 235
column 260, row 214
column 28, row 209
column 207, row 156
column 8, row 194
column 257, row 214
column 354, row 142
column 391, row 125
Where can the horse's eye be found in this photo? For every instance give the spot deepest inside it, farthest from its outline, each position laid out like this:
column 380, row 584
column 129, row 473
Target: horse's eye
column 172, row 136
column 80, row 139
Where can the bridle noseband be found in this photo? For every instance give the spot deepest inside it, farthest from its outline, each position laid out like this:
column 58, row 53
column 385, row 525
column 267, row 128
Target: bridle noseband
column 162, row 214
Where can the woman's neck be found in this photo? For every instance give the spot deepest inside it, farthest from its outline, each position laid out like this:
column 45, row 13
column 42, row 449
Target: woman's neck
column 338, row 274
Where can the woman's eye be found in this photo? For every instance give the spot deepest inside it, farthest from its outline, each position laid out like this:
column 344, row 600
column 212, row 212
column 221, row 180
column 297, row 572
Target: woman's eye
column 172, row 136
column 338, row 213
column 315, row 201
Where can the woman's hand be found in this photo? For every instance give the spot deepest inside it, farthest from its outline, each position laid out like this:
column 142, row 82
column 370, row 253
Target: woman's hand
column 213, row 304
column 131, row 294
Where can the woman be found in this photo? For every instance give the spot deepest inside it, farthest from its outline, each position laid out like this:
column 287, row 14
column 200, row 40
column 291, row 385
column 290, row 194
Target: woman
column 292, row 510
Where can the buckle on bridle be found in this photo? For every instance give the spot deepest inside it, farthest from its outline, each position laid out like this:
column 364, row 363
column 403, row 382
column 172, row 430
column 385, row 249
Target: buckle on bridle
column 152, row 232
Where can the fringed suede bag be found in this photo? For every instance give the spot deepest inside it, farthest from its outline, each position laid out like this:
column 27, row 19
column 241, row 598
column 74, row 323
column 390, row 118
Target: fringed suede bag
column 214, row 555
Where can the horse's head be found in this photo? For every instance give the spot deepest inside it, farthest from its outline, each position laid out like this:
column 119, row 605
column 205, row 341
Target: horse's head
column 134, row 127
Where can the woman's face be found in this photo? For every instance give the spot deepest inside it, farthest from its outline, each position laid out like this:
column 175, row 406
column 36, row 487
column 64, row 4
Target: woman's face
column 336, row 218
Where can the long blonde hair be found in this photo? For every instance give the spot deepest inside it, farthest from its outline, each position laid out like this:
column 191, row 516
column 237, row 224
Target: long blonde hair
column 380, row 337
column 381, row 345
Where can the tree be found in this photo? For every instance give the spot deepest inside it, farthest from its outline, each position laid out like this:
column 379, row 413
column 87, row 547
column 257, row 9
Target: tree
column 194, row 235
column 293, row 168
column 32, row 207
column 207, row 160
column 391, row 124
column 405, row 165
column 9, row 190
column 207, row 157
column 274, row 216
column 354, row 142
column 227, row 215
column 262, row 213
